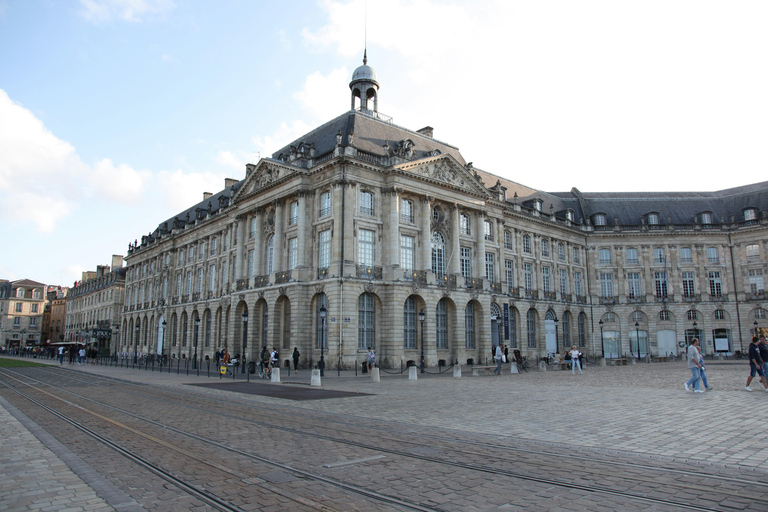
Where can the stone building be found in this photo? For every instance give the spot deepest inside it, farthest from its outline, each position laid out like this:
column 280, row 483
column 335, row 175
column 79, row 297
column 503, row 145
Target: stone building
column 55, row 314
column 22, row 304
column 346, row 238
column 95, row 306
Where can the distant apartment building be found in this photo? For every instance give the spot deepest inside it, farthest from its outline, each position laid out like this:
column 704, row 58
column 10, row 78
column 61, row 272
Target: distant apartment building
column 22, row 304
column 55, row 314
column 94, row 306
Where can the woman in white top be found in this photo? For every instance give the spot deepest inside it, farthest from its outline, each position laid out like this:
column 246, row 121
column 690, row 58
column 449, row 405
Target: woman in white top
column 575, row 362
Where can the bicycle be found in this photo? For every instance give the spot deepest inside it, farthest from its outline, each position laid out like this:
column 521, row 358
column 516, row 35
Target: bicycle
column 522, row 364
column 265, row 372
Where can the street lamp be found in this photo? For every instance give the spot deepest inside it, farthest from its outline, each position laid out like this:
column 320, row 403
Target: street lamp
column 197, row 325
column 323, row 312
column 162, row 342
column 136, row 345
column 422, row 315
column 637, row 334
column 556, row 348
column 245, row 333
column 602, row 340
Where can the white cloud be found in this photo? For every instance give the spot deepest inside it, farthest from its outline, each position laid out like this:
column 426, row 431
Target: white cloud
column 121, row 183
column 183, row 190
column 285, row 134
column 228, row 159
column 42, row 210
column 323, row 95
column 99, row 11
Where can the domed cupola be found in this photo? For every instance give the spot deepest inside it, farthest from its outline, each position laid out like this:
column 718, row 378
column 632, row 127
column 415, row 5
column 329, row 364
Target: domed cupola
column 365, row 86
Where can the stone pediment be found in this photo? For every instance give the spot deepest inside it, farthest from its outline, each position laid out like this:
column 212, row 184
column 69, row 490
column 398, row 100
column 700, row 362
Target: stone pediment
column 262, row 175
column 445, row 169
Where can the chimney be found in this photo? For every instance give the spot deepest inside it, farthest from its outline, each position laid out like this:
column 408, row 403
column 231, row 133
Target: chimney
column 228, row 182
column 426, row 131
column 206, row 195
column 117, row 261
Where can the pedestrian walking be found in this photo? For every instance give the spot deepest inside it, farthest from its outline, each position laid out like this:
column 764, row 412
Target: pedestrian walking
column 81, row 356
column 497, row 358
column 694, row 366
column 702, row 371
column 755, row 364
column 762, row 347
column 575, row 361
column 296, row 355
column 371, row 358
column 61, row 354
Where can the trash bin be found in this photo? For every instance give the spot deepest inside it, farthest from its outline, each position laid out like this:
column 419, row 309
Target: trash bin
column 365, row 367
column 252, row 367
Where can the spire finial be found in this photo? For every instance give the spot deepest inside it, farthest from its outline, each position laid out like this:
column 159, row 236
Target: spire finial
column 365, row 57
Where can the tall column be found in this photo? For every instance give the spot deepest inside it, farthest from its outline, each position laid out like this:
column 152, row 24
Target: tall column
column 302, row 250
column 240, row 237
column 279, row 265
column 391, row 236
column 258, row 245
column 455, row 265
column 480, row 237
column 426, row 235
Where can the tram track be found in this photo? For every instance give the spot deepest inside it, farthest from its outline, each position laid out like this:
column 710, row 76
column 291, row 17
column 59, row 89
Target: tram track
column 465, row 466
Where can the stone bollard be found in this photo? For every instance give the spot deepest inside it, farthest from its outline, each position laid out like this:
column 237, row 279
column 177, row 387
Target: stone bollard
column 315, row 378
column 375, row 375
column 457, row 371
column 412, row 375
column 542, row 366
column 602, row 361
column 513, row 368
column 275, row 376
column 632, row 360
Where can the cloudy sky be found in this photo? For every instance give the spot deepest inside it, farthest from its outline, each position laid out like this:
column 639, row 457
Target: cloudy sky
column 117, row 114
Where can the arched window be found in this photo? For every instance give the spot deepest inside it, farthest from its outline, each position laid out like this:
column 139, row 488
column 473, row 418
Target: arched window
column 441, row 317
column 265, row 326
column 409, row 323
column 531, row 317
column 184, row 329
column 365, row 322
column 566, row 329
column 582, row 330
column 438, row 254
column 469, row 325
column 270, row 254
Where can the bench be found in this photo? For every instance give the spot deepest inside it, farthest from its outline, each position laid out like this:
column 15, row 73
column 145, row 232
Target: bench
column 617, row 362
column 562, row 365
column 659, row 359
column 486, row 368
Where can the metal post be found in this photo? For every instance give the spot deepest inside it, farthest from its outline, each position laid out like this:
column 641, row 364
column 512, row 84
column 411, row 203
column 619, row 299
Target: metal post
column 602, row 340
column 197, row 325
column 136, row 346
column 323, row 312
column 245, row 333
column 422, row 315
column 637, row 334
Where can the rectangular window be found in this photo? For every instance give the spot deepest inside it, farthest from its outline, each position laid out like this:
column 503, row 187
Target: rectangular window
column 189, row 283
column 17, row 322
column 715, row 285
column 661, row 284
column 178, row 285
column 546, row 279
column 658, row 255
column 406, row 211
column 466, row 262
column 577, row 284
column 685, row 255
column 199, row 280
column 365, row 247
column 213, row 246
column 632, row 256
column 324, row 249
column 252, row 231
column 201, row 253
column 181, row 257
column 407, row 244
column 294, row 218
column 606, row 286
column 753, row 252
column 19, row 307
column 325, row 204
column 561, row 252
column 165, row 288
column 756, row 281
column 712, row 255
column 366, row 203
column 526, row 244
column 633, row 282
column 605, row 256
column 545, row 248
column 576, row 257
column 488, row 230
column 563, row 282
column 293, row 253
column 528, row 275
column 490, row 266
column 251, row 261
column 223, row 273
column 226, row 242
column 509, row 274
column 508, row 240
column 212, row 278
column 33, row 322
column 688, row 284
column 464, row 224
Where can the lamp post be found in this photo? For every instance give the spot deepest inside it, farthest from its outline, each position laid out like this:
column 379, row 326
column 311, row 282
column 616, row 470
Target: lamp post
column 136, row 345
column 245, row 343
column 602, row 340
column 637, row 335
column 556, row 347
column 422, row 315
column 197, row 325
column 323, row 312
column 162, row 343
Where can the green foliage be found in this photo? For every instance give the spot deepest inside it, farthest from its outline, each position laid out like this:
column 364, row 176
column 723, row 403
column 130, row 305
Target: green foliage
column 16, row 363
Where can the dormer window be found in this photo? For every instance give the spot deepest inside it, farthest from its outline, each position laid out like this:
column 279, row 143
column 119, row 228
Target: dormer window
column 20, row 292
column 653, row 219
column 599, row 219
column 706, row 218
column 569, row 215
column 750, row 214
column 537, row 204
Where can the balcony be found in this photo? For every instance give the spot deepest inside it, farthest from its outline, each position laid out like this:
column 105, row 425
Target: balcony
column 550, row 296
column 260, row 281
column 195, row 296
column 607, row 300
column 284, row 277
column 514, row 293
column 420, row 277
column 241, row 284
column 532, row 294
column 367, row 272
column 322, row 273
column 471, row 282
column 175, row 300
column 184, row 299
column 760, row 295
column 496, row 287
column 692, row 298
column 446, row 281
column 581, row 299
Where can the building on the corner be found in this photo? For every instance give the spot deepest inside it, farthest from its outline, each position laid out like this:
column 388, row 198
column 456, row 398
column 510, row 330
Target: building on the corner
column 94, row 307
column 22, row 304
column 352, row 234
